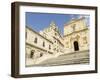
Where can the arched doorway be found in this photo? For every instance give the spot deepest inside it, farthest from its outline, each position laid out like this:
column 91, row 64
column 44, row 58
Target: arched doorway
column 76, row 46
column 32, row 54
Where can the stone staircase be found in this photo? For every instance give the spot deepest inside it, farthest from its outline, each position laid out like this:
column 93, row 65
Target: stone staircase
column 67, row 59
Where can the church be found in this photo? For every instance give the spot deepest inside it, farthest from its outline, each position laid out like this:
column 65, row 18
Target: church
column 49, row 43
column 76, row 35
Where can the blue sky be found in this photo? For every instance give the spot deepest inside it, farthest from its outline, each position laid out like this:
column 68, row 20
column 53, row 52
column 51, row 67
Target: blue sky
column 39, row 21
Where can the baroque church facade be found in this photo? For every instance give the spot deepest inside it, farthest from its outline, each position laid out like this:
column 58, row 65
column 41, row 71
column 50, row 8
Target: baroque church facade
column 76, row 35
column 49, row 43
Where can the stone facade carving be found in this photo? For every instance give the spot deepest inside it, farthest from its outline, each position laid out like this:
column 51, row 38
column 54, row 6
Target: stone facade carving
column 76, row 30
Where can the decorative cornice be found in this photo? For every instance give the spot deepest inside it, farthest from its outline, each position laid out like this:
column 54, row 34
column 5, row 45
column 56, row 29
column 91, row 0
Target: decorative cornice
column 76, row 32
column 73, row 21
column 37, row 47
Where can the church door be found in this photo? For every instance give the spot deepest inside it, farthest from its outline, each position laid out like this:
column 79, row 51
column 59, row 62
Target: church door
column 76, row 46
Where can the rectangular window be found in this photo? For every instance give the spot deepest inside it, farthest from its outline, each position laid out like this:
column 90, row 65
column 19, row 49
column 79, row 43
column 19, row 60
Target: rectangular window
column 49, row 46
column 55, row 34
column 26, row 35
column 73, row 27
column 35, row 41
column 43, row 44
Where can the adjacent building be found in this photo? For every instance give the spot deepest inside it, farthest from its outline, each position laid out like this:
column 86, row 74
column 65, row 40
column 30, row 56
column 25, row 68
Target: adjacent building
column 37, row 45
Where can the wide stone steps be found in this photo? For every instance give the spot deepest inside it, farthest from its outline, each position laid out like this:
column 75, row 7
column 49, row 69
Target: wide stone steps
column 73, row 58
column 68, row 62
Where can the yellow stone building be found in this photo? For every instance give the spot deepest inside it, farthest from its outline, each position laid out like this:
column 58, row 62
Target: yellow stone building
column 76, row 35
column 43, row 45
